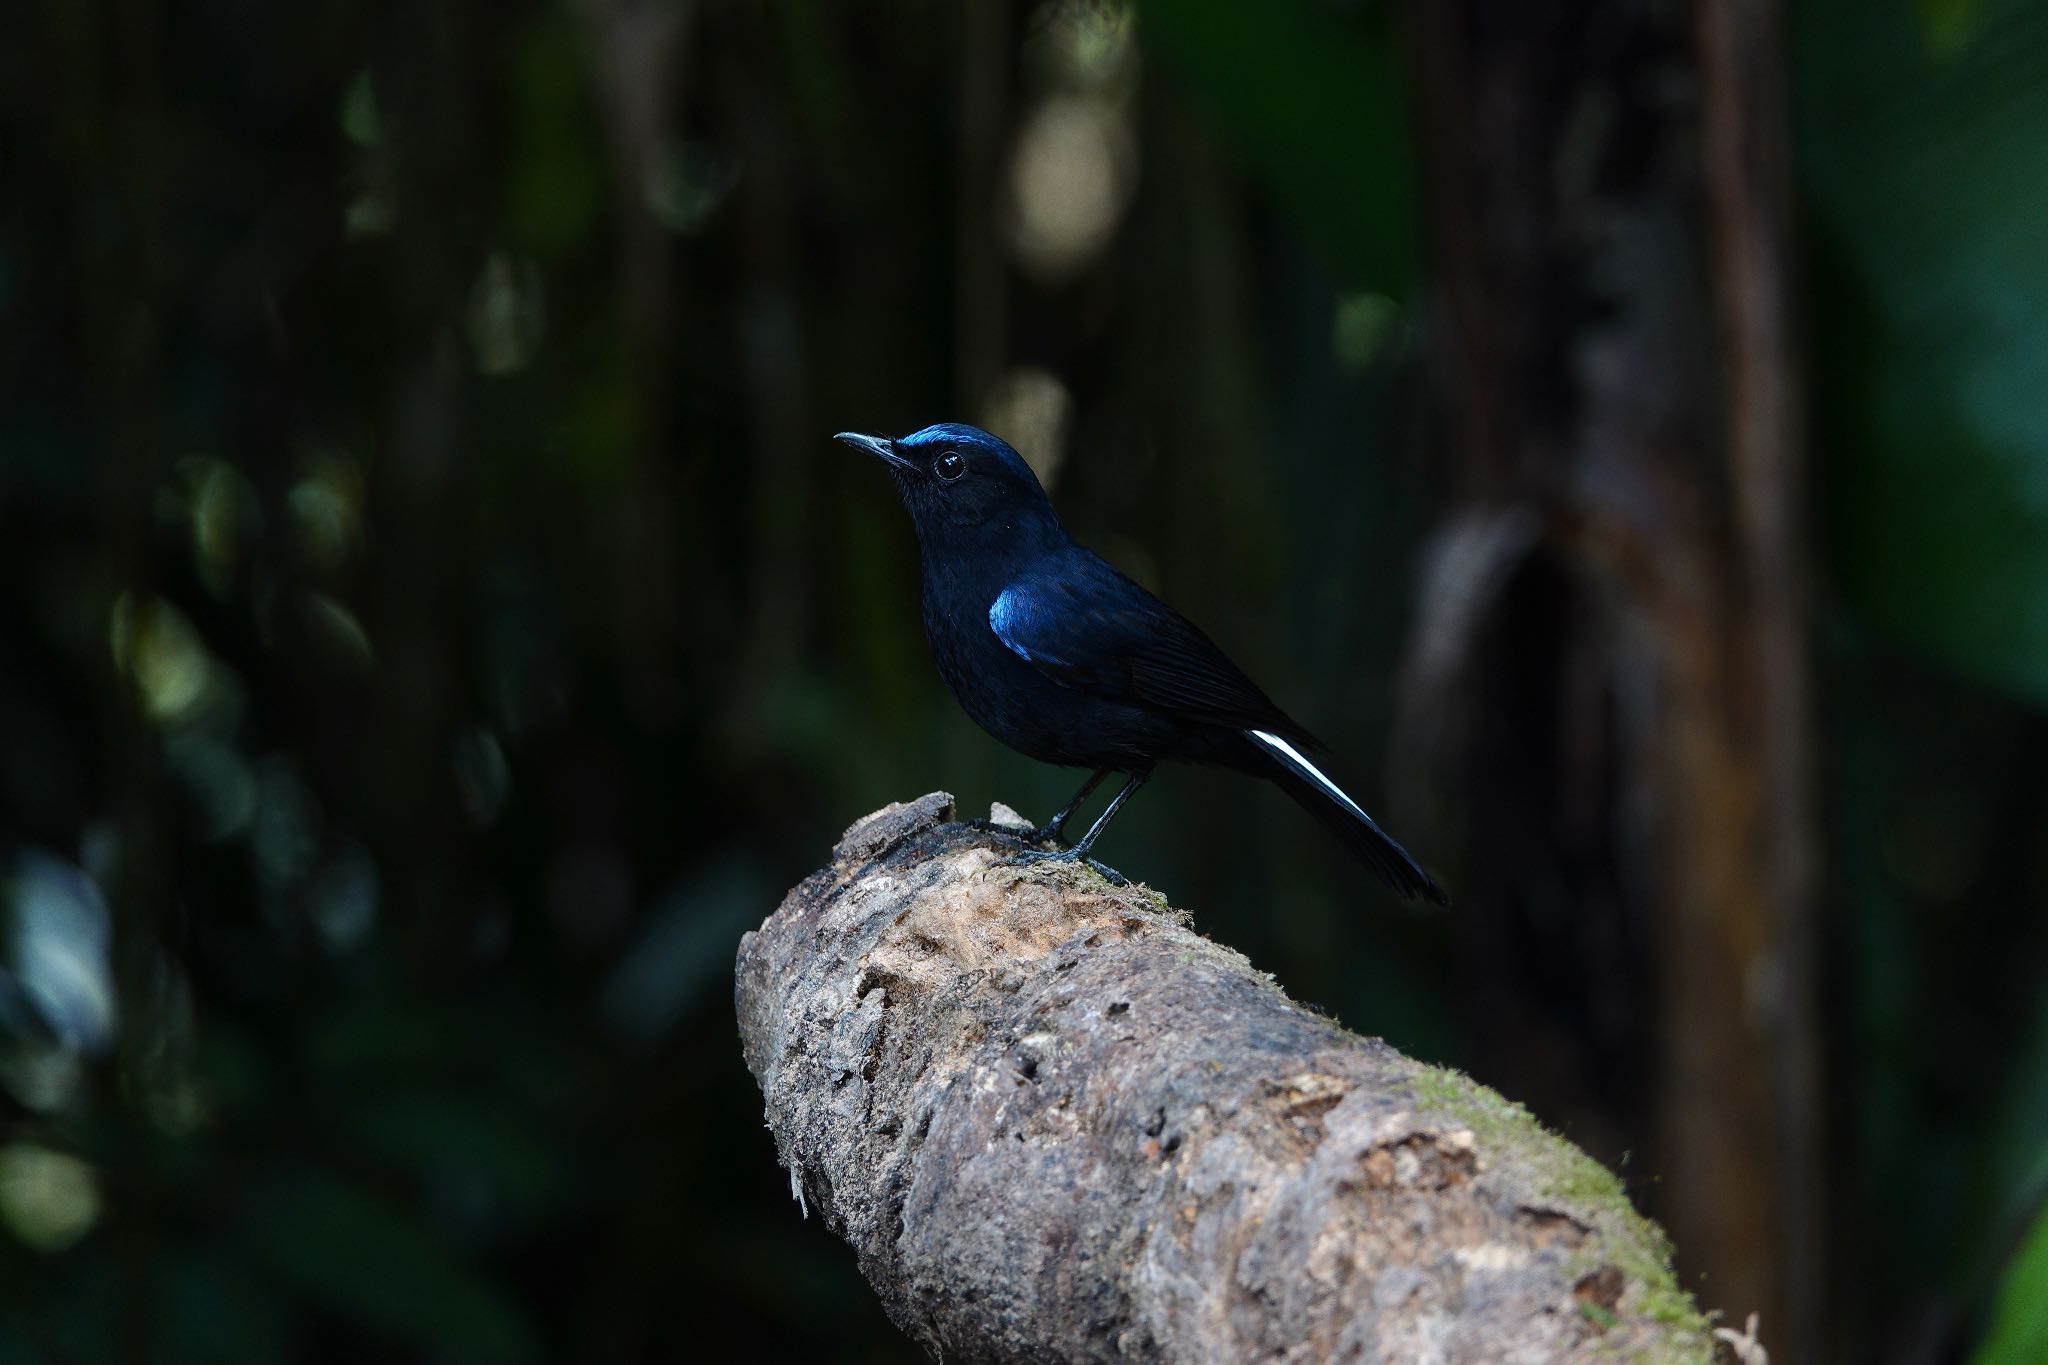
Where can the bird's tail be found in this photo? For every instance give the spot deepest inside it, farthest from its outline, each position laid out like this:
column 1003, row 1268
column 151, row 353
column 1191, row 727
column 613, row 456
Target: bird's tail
column 1287, row 766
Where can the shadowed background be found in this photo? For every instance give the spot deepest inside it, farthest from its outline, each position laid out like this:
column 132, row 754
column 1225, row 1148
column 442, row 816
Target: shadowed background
column 435, row 622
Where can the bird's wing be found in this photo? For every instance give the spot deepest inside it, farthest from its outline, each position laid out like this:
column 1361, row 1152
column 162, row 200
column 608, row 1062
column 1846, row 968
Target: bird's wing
column 1085, row 625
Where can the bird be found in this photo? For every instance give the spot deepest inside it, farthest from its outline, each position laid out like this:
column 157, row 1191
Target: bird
column 1055, row 653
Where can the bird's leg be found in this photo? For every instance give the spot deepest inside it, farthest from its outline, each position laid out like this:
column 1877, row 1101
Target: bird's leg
column 1050, row 831
column 1116, row 803
column 1079, row 852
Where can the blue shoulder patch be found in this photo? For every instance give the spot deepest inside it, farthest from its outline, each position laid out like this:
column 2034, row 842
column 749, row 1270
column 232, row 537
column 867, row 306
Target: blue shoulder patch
column 1009, row 616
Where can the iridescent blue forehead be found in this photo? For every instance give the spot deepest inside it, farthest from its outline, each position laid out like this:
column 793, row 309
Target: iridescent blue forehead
column 950, row 433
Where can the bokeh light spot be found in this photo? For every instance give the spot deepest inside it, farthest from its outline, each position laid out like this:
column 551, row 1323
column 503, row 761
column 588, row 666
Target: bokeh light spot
column 156, row 645
column 48, row 1199
column 507, row 315
column 326, row 507
column 1070, row 181
column 57, row 951
column 1031, row 409
column 1363, row 327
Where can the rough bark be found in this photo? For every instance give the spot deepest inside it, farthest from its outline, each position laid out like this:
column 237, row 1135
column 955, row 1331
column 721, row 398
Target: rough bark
column 1055, row 1123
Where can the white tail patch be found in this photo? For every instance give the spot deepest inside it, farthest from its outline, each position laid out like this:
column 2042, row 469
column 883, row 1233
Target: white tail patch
column 1294, row 759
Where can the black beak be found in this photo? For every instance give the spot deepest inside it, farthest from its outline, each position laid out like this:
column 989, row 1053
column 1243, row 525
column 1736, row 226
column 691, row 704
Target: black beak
column 881, row 447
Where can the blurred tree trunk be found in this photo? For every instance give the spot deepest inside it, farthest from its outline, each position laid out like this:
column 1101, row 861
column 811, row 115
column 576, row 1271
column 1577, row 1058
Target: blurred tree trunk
column 639, row 51
column 1609, row 679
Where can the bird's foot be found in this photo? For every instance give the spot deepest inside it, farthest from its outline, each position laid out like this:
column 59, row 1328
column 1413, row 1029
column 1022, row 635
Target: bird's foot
column 1034, row 837
column 1071, row 855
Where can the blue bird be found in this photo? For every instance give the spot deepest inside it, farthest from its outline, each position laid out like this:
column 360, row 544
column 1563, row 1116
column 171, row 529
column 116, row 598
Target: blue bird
column 1067, row 661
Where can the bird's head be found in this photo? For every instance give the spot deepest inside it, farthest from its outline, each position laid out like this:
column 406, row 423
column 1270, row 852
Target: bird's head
column 958, row 480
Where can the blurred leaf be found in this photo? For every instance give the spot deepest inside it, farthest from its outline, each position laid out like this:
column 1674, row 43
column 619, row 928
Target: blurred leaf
column 380, row 1037
column 359, row 118
column 2010, row 1158
column 214, row 1313
column 556, row 184
column 15, row 1349
column 2019, row 1324
column 685, row 948
column 86, row 1311
column 372, row 1264
column 598, row 430
column 1948, row 22
column 1311, row 93
column 443, row 1136
column 1932, row 178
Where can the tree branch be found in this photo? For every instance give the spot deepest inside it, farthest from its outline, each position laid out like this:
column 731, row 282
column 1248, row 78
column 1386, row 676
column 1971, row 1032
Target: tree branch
column 1056, row 1124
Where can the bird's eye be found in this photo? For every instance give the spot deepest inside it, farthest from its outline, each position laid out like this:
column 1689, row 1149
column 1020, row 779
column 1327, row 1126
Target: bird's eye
column 949, row 466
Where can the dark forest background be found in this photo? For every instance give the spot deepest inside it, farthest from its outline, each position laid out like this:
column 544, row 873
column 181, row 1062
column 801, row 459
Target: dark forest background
column 435, row 622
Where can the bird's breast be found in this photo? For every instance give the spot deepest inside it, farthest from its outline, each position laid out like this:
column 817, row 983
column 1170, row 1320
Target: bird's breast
column 1020, row 705
column 976, row 666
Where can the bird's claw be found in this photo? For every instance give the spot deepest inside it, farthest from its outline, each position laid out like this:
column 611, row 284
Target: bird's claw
column 1036, row 835
column 1108, row 873
column 1027, row 858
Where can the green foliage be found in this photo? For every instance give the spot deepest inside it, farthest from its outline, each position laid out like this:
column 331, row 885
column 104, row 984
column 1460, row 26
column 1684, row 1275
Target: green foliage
column 1924, row 154
column 555, row 185
column 1311, row 95
column 374, row 1263
column 1948, row 23
column 213, row 1309
column 1928, row 175
column 2019, row 1327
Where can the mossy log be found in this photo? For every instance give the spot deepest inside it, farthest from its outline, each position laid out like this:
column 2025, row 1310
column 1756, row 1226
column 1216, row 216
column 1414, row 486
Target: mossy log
column 1056, row 1124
